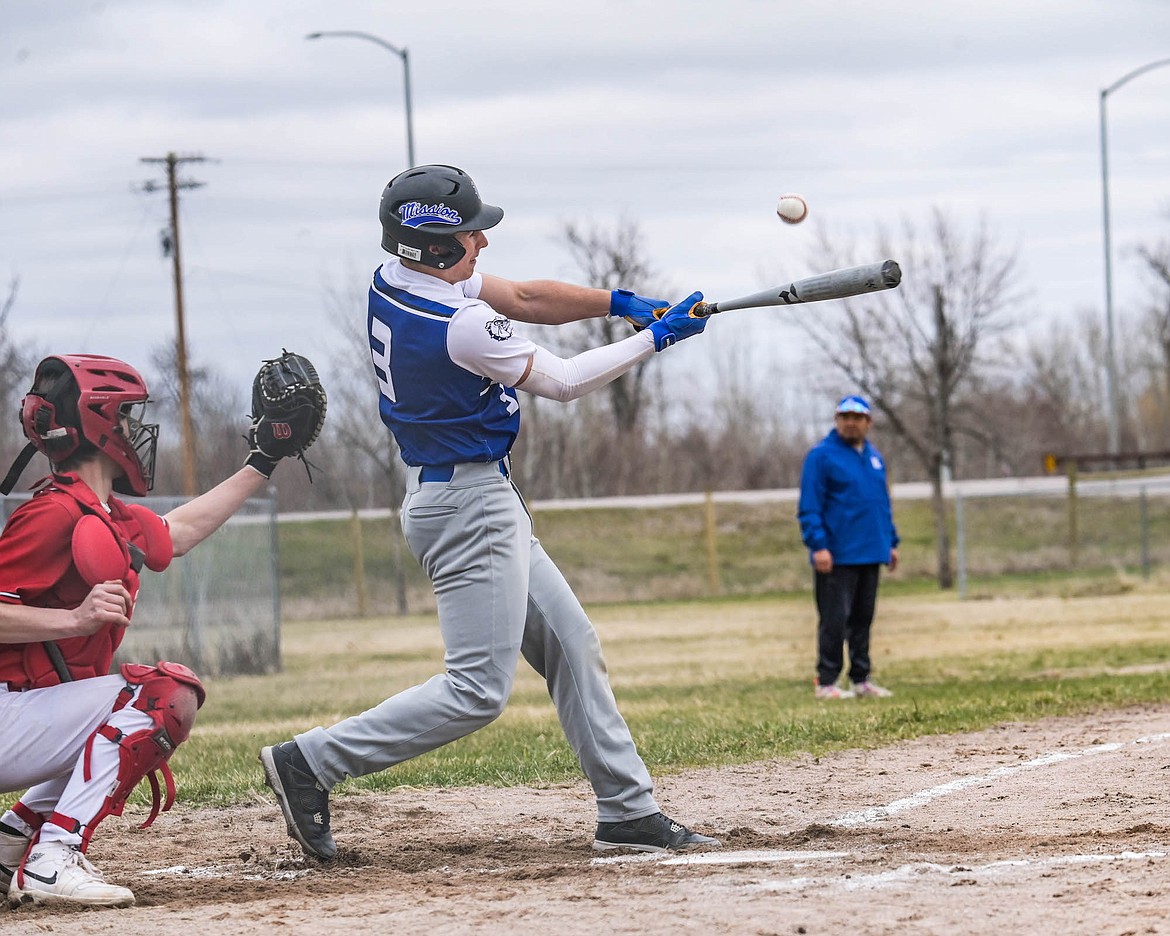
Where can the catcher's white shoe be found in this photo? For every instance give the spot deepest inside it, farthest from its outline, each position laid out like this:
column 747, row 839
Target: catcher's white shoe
column 58, row 873
column 871, row 690
column 13, row 845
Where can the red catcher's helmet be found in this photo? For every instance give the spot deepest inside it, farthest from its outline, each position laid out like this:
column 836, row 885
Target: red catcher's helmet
column 85, row 402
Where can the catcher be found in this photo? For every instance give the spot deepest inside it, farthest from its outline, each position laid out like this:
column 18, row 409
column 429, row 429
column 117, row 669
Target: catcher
column 76, row 738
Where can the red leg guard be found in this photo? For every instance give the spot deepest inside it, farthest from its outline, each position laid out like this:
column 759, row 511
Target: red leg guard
column 159, row 682
column 34, row 819
column 170, row 694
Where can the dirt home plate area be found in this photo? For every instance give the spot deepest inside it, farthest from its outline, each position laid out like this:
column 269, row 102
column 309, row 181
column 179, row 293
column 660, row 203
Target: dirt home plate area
column 1061, row 826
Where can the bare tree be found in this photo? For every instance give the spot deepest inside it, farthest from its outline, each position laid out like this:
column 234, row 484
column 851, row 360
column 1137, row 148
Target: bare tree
column 561, row 446
column 16, row 373
column 219, row 413
column 1153, row 403
column 1062, row 391
column 353, row 425
column 613, row 258
column 594, row 445
column 368, row 468
column 919, row 351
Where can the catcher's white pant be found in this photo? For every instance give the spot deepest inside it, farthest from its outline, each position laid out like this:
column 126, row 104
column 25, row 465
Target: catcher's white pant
column 41, row 744
column 498, row 595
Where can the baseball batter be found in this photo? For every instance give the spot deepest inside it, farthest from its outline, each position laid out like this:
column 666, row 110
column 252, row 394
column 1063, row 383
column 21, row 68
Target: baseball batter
column 75, row 738
column 448, row 365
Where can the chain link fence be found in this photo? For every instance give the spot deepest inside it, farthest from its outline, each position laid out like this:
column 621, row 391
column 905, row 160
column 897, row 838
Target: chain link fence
column 219, row 608
column 1091, row 527
column 744, row 544
column 216, row 609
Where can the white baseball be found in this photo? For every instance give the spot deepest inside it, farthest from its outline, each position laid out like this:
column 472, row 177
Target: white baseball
column 792, row 209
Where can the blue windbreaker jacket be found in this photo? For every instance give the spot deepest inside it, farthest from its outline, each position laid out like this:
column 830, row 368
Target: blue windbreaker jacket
column 845, row 503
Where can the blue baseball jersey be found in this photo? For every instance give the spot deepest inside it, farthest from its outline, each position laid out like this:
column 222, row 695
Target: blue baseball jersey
column 445, row 362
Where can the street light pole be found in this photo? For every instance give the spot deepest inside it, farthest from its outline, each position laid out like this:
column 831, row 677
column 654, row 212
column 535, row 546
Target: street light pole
column 402, row 54
column 1110, row 346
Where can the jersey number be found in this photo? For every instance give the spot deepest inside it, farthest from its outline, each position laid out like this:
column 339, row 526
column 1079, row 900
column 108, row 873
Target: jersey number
column 380, row 331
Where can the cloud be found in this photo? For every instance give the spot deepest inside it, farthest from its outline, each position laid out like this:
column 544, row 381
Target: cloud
column 688, row 117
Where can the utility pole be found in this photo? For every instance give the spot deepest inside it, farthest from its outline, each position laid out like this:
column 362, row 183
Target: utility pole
column 172, row 162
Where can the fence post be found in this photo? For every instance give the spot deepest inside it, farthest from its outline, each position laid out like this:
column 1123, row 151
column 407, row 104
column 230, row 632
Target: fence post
column 712, row 552
column 1145, row 515
column 274, row 539
column 359, row 563
column 1073, row 536
column 399, row 564
column 961, row 543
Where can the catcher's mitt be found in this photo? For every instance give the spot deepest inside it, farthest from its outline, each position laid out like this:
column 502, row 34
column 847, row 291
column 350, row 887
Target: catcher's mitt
column 288, row 411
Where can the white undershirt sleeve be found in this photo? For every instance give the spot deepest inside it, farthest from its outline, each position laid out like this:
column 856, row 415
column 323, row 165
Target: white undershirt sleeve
column 565, row 379
column 481, row 340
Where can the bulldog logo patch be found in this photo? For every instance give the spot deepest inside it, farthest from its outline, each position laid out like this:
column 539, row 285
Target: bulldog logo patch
column 500, row 329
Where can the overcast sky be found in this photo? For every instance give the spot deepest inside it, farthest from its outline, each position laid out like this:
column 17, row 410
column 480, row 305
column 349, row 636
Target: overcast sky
column 689, row 118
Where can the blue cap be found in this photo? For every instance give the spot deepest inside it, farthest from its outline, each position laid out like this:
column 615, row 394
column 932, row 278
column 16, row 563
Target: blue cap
column 853, row 404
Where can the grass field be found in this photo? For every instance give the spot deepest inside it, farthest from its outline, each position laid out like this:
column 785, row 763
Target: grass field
column 708, row 682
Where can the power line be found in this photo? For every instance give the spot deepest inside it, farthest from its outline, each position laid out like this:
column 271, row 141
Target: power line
column 100, row 308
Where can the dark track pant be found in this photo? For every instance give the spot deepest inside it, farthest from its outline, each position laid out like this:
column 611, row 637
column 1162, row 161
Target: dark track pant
column 846, row 599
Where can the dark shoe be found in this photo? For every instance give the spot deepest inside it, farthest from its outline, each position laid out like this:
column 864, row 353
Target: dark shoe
column 304, row 802
column 656, row 833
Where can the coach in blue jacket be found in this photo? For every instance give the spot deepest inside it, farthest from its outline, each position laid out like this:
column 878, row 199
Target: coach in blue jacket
column 848, row 527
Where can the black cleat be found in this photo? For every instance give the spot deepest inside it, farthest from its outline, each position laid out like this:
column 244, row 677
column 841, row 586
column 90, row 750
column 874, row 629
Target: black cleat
column 302, row 799
column 656, row 833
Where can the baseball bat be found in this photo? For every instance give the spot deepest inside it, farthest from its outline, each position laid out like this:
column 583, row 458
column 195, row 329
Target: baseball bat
column 836, row 284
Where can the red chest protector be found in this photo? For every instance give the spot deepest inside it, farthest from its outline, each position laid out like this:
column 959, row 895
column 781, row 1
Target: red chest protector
column 105, row 546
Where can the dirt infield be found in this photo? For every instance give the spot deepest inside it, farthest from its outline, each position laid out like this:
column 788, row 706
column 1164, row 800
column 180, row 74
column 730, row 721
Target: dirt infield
column 1057, row 826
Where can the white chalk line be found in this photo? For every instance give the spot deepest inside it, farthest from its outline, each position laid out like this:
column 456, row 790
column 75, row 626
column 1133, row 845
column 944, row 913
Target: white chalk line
column 921, row 798
column 720, row 857
column 220, row 871
column 915, row 873
column 875, row 813
column 845, row 881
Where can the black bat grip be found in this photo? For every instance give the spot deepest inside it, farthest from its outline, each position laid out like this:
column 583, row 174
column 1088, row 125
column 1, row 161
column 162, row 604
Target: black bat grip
column 703, row 309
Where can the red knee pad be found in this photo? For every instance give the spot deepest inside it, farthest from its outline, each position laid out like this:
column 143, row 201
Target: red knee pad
column 170, row 694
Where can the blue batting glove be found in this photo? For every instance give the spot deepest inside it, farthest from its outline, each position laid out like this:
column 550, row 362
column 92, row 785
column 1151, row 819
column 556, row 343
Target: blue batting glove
column 677, row 323
column 637, row 310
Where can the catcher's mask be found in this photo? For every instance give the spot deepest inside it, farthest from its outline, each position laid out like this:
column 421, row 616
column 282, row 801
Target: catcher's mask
column 84, row 403
column 422, row 207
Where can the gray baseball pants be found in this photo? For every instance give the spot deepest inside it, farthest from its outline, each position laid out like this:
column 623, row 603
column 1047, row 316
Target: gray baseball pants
column 498, row 596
